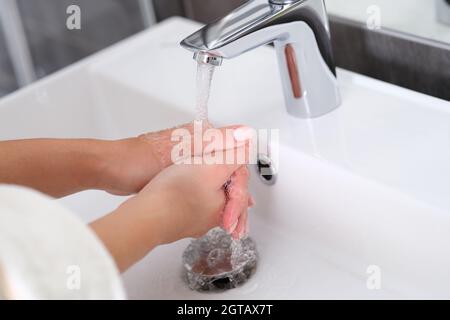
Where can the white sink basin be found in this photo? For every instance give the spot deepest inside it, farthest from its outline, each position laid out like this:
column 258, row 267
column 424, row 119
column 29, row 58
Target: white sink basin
column 367, row 185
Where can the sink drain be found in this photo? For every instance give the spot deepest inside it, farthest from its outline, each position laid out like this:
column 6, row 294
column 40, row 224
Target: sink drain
column 216, row 262
column 266, row 170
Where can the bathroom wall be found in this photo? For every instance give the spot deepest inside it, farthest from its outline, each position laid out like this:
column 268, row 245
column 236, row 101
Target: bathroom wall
column 408, row 61
column 405, row 61
column 207, row 11
column 168, row 8
column 7, row 77
column 200, row 10
column 53, row 46
column 105, row 22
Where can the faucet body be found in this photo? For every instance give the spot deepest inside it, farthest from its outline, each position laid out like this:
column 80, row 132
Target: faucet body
column 300, row 33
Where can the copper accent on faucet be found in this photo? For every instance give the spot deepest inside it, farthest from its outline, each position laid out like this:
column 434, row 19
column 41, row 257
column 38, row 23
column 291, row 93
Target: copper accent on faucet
column 294, row 75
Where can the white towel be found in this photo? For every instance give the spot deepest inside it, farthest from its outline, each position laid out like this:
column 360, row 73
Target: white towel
column 46, row 252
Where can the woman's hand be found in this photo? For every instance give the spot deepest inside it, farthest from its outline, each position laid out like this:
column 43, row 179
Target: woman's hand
column 182, row 201
column 60, row 167
column 132, row 163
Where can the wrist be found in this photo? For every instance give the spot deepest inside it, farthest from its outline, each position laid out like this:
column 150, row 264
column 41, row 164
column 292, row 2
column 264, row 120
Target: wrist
column 129, row 233
column 145, row 218
column 100, row 169
column 125, row 166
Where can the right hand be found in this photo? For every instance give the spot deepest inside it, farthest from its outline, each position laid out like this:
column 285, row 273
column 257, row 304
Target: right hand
column 128, row 165
column 189, row 200
column 183, row 201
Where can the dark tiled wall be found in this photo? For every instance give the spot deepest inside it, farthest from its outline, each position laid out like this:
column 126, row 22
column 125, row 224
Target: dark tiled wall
column 404, row 61
column 104, row 22
column 53, row 46
column 7, row 78
column 200, row 10
column 400, row 61
column 209, row 10
column 168, row 8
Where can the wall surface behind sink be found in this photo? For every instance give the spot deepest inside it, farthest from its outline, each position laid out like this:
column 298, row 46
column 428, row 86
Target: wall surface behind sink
column 406, row 62
column 104, row 22
column 53, row 46
column 7, row 78
column 409, row 62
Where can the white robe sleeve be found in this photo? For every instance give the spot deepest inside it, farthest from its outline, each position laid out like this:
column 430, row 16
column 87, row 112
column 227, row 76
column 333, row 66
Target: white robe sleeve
column 46, row 252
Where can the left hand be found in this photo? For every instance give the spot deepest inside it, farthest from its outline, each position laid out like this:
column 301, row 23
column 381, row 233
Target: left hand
column 132, row 163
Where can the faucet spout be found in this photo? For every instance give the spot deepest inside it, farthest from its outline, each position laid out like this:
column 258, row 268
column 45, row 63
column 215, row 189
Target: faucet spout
column 207, row 58
column 300, row 33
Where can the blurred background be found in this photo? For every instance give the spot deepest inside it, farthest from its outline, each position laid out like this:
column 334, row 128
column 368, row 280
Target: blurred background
column 35, row 40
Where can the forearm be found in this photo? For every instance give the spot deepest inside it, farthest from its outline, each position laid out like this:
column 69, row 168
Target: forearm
column 54, row 166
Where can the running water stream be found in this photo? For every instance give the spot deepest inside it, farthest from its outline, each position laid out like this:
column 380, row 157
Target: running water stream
column 205, row 73
column 216, row 261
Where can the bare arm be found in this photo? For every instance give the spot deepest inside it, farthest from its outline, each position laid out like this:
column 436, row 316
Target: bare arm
column 61, row 167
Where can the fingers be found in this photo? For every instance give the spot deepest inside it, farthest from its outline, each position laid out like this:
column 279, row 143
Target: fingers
column 221, row 146
column 195, row 140
column 242, row 226
column 231, row 213
column 238, row 200
column 223, row 155
column 251, row 201
column 226, row 138
column 242, row 229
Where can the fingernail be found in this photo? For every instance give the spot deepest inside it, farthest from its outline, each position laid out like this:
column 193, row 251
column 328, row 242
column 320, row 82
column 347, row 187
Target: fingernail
column 233, row 227
column 244, row 231
column 243, row 134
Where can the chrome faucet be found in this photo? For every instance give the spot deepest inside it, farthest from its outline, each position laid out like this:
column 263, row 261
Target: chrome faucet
column 300, row 32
